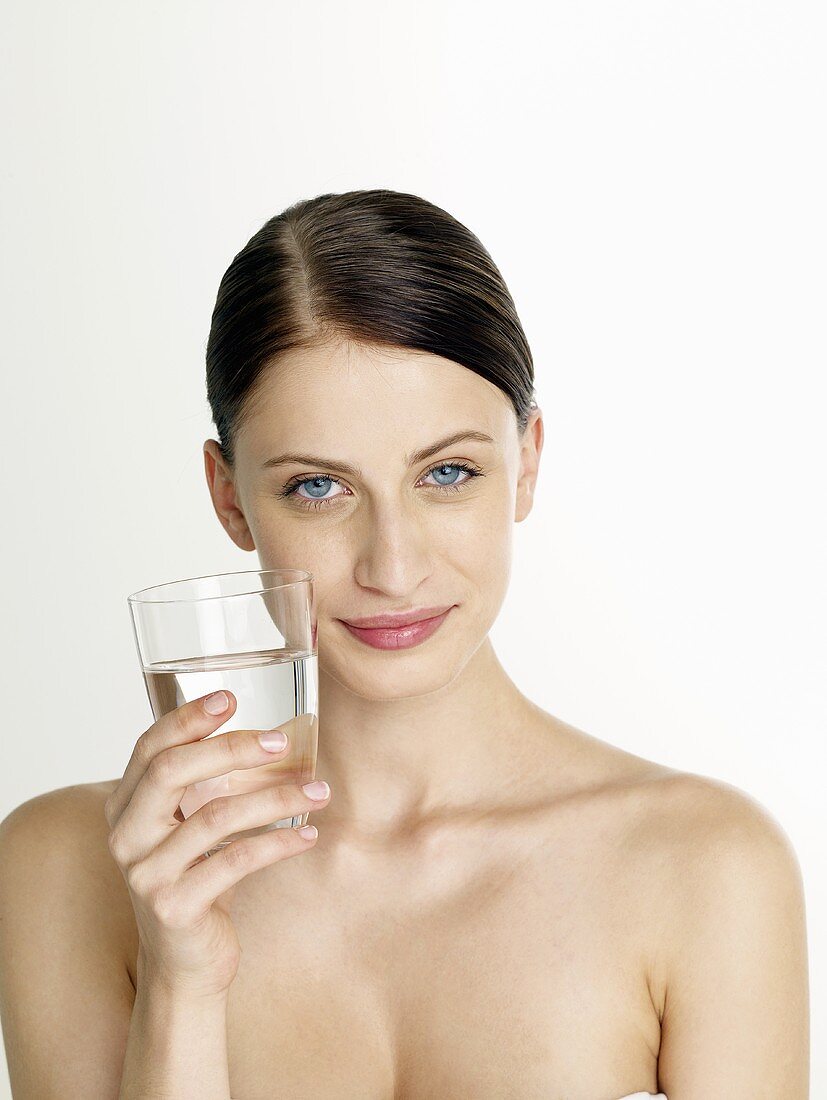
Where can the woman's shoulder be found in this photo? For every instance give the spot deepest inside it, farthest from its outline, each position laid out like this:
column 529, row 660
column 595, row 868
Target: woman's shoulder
column 700, row 816
column 724, row 912
column 703, row 848
column 679, row 807
column 80, row 803
column 67, row 828
column 677, row 833
column 63, row 835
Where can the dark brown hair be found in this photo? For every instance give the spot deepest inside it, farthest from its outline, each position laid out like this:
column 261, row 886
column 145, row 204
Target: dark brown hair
column 374, row 267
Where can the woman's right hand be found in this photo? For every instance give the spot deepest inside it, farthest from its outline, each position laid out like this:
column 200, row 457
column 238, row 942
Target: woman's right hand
column 188, row 942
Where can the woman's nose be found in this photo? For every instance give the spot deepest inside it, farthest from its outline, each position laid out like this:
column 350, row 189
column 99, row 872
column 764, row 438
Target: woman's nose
column 394, row 555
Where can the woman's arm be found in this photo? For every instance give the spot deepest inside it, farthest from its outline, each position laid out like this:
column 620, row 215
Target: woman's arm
column 177, row 1048
column 736, row 1014
column 70, row 1026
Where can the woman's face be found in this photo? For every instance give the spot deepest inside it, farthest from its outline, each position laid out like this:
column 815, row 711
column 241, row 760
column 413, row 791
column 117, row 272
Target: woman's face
column 380, row 528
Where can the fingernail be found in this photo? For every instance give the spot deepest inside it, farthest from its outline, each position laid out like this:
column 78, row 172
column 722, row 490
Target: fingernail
column 309, row 831
column 273, row 740
column 216, row 703
column 317, row 790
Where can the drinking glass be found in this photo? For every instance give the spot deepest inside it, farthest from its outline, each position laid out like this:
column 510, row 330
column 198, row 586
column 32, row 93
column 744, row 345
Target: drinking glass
column 254, row 633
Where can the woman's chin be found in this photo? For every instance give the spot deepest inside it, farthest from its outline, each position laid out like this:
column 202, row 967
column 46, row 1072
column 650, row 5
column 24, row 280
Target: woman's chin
column 383, row 685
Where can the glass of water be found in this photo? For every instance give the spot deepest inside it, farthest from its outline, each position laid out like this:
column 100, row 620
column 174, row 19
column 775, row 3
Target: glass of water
column 253, row 633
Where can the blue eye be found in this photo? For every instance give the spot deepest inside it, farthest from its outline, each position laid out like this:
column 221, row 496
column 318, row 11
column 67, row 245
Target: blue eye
column 319, row 485
column 316, row 489
column 439, row 470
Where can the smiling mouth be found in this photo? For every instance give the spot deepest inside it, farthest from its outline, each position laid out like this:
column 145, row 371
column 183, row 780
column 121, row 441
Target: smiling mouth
column 398, row 619
column 400, row 636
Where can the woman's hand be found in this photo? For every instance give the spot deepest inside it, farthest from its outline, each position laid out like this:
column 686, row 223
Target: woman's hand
column 187, row 940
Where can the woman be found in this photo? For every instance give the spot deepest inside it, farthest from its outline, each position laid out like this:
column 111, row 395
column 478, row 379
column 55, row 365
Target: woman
column 496, row 904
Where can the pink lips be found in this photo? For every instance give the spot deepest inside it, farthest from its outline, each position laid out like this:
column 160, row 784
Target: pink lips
column 398, row 637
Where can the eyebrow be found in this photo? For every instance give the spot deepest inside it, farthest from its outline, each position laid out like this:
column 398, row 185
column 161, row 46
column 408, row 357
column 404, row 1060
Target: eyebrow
column 354, row 471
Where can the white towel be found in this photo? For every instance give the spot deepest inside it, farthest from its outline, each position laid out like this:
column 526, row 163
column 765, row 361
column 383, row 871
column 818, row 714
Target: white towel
column 644, row 1096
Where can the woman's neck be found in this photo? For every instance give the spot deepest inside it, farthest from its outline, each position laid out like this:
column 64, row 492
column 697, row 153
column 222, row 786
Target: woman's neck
column 396, row 764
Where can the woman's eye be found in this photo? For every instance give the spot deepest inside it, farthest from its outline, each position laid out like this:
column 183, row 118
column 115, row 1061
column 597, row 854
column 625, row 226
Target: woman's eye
column 450, row 478
column 317, row 493
column 317, row 488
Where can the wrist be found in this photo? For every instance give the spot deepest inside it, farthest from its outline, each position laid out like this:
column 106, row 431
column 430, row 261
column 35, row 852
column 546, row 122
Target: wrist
column 160, row 986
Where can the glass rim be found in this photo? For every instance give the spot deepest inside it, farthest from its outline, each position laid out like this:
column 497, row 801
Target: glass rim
column 139, row 596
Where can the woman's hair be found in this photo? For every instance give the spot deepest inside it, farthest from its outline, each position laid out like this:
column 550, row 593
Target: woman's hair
column 372, row 267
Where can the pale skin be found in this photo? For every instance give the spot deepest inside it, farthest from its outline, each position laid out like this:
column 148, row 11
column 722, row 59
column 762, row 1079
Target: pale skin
column 394, row 539
column 498, row 904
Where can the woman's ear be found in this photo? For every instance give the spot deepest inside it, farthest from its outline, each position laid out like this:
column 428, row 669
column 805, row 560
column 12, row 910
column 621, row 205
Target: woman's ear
column 222, row 488
column 531, row 447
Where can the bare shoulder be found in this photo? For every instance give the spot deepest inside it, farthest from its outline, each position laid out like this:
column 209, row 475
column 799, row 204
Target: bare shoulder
column 727, row 958
column 65, row 918
column 690, row 818
column 62, row 836
column 732, row 857
column 68, row 815
column 720, row 877
column 706, row 826
column 686, row 846
column 696, row 831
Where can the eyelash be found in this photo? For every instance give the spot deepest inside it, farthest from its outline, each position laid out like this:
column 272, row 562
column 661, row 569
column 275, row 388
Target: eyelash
column 291, row 487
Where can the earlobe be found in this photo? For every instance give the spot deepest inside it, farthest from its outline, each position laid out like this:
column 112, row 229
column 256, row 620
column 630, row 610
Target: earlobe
column 525, row 500
column 236, row 527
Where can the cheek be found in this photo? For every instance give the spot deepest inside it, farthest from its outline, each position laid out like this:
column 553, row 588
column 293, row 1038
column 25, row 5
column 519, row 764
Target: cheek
column 478, row 547
column 491, row 572
column 496, row 542
column 295, row 545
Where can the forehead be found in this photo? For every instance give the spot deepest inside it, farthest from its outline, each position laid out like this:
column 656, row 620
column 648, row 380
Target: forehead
column 342, row 389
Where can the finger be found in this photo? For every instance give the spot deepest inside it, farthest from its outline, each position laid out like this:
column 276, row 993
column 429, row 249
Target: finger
column 218, row 819
column 189, row 722
column 147, row 819
column 199, row 886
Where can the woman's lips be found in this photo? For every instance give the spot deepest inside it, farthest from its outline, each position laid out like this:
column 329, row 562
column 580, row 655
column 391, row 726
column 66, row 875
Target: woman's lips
column 402, row 637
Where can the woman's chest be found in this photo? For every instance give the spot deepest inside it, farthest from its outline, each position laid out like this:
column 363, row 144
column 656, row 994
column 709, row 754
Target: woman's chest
column 527, row 980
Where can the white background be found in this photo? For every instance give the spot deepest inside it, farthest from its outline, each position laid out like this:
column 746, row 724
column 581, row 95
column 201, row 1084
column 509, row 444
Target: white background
column 650, row 179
